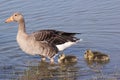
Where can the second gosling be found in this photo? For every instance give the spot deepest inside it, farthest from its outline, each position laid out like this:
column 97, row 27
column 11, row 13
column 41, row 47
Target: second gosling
column 95, row 55
column 67, row 59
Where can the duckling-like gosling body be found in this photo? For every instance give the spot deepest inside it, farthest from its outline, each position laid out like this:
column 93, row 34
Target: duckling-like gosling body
column 67, row 59
column 95, row 55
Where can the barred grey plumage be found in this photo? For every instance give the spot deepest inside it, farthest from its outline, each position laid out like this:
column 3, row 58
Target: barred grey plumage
column 46, row 43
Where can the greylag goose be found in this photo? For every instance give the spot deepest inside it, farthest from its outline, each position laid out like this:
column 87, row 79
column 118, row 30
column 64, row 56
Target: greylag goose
column 66, row 59
column 46, row 43
column 95, row 55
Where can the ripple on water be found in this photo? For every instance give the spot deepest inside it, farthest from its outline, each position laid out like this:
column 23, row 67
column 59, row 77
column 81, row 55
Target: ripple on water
column 98, row 21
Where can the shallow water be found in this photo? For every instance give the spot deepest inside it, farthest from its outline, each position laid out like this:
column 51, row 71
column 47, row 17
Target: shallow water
column 97, row 20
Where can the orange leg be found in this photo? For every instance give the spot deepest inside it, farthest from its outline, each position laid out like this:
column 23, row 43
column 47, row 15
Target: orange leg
column 43, row 58
column 51, row 61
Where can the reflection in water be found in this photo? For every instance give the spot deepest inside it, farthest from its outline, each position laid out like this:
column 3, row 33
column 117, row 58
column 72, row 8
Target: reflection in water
column 50, row 72
column 96, row 65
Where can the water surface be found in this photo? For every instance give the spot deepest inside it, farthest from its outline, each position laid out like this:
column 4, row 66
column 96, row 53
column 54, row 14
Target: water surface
column 97, row 20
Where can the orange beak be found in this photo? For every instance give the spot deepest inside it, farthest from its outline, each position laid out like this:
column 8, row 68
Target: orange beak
column 10, row 19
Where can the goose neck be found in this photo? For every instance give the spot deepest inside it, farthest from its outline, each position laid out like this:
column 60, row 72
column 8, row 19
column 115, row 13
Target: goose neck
column 21, row 27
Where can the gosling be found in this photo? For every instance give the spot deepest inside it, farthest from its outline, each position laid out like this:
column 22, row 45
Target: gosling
column 96, row 56
column 63, row 59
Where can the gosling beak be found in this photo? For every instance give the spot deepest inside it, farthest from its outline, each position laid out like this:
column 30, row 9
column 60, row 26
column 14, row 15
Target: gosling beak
column 10, row 19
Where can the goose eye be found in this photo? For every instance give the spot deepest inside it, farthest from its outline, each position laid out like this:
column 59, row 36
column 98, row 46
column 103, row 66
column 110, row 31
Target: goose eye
column 15, row 14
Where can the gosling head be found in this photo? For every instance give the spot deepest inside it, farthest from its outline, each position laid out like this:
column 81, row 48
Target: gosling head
column 88, row 54
column 62, row 56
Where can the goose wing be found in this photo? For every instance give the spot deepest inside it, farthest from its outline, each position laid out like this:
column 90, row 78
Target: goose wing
column 54, row 37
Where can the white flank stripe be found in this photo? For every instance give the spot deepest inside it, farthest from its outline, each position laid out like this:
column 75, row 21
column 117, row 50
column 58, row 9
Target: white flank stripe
column 61, row 47
column 65, row 45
